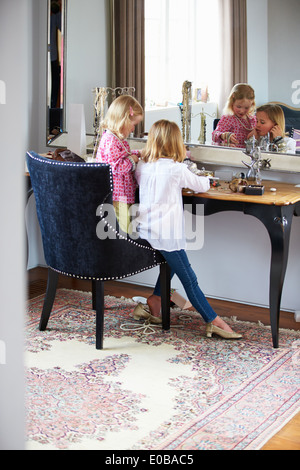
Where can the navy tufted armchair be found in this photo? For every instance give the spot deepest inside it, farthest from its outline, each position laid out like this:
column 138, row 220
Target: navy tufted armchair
column 81, row 236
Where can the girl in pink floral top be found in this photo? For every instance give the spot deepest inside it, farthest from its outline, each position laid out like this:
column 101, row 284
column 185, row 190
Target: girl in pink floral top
column 238, row 120
column 123, row 115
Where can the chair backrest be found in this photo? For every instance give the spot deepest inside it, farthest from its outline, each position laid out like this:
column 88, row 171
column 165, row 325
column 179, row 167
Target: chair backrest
column 215, row 123
column 77, row 240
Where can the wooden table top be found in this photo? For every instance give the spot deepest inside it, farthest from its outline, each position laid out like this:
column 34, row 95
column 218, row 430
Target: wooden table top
column 284, row 195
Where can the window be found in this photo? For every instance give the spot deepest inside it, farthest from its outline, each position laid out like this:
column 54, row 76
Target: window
column 181, row 43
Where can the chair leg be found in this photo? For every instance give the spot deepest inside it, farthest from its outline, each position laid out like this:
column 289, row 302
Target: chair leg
column 94, row 295
column 165, row 283
column 49, row 298
column 99, row 299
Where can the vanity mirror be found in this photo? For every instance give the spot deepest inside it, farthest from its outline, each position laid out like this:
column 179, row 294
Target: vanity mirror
column 87, row 48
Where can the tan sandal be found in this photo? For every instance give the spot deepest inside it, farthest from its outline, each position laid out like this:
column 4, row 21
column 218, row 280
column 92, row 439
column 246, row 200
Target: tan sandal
column 213, row 329
column 141, row 313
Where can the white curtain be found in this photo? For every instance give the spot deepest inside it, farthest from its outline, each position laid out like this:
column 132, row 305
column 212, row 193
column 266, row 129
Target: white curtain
column 195, row 40
column 182, row 43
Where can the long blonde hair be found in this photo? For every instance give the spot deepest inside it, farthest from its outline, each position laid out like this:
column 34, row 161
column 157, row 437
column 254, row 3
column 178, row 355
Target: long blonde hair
column 240, row 91
column 164, row 141
column 275, row 114
column 120, row 113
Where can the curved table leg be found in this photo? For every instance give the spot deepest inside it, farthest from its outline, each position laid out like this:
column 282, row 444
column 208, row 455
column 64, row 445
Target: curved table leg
column 278, row 221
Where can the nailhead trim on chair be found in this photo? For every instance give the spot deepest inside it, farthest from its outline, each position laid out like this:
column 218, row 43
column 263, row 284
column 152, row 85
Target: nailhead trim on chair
column 48, row 161
column 59, row 162
column 115, row 278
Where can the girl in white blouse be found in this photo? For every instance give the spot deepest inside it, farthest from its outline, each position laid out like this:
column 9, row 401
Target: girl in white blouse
column 161, row 176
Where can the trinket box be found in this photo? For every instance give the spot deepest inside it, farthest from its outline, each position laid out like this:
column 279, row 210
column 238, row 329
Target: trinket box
column 255, row 189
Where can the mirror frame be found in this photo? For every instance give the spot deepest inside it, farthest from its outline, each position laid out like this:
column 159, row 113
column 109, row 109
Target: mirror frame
column 63, row 71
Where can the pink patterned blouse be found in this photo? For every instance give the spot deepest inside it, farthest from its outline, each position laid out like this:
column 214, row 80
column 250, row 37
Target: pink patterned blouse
column 115, row 152
column 234, row 125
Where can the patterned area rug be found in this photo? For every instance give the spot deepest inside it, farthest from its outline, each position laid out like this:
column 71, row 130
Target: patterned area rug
column 149, row 389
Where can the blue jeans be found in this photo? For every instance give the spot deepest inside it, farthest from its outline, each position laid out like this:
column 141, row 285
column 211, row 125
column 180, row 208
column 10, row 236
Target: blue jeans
column 180, row 265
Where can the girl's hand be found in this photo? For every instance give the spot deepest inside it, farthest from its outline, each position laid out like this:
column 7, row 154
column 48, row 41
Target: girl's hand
column 252, row 133
column 135, row 157
column 275, row 132
column 233, row 140
column 229, row 138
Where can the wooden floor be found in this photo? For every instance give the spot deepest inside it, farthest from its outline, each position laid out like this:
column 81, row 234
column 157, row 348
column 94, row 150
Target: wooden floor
column 288, row 438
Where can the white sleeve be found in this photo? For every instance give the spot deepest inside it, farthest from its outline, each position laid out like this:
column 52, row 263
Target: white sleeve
column 190, row 180
column 291, row 145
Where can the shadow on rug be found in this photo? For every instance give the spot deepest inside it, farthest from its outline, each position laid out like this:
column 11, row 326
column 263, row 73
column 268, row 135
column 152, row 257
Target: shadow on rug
column 149, row 389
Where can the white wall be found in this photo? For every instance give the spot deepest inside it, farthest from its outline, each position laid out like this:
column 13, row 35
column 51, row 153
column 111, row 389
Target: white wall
column 37, row 98
column 283, row 48
column 273, row 49
column 18, row 119
column 87, row 55
column 257, row 45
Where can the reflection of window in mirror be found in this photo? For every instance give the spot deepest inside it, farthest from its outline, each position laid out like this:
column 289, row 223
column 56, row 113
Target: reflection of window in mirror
column 181, row 43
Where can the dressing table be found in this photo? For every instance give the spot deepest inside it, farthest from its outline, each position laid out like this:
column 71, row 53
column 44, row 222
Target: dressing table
column 275, row 209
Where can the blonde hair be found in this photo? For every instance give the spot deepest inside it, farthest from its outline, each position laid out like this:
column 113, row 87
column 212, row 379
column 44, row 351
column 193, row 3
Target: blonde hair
column 240, row 91
column 120, row 114
column 164, row 141
column 275, row 114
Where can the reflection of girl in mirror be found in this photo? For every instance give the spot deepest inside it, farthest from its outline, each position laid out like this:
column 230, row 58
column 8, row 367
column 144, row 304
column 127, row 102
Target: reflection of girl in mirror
column 238, row 120
column 270, row 120
column 123, row 115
